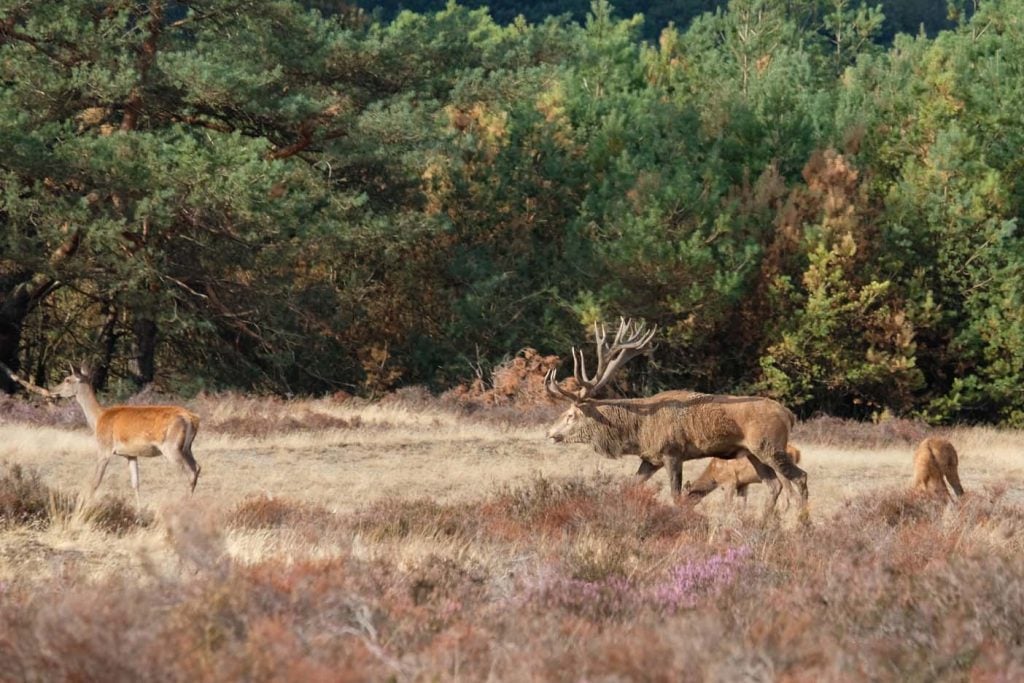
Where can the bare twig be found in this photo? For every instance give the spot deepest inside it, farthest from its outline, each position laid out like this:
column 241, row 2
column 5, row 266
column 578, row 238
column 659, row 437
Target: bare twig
column 35, row 388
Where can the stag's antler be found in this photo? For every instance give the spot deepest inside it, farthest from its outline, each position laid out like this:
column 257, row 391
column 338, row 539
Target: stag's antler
column 25, row 383
column 630, row 341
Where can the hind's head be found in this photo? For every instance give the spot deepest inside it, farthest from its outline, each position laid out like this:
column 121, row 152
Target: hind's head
column 73, row 383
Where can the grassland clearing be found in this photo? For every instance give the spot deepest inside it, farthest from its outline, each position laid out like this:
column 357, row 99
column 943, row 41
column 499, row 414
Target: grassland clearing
column 406, row 539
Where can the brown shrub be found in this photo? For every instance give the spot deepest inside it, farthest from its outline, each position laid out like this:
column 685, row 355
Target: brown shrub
column 264, row 423
column 114, row 515
column 26, row 501
column 23, row 496
column 267, row 512
column 393, row 518
column 894, row 508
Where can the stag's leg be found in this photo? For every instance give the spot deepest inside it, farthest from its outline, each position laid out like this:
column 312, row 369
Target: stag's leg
column 133, row 472
column 646, row 470
column 769, row 478
column 675, row 475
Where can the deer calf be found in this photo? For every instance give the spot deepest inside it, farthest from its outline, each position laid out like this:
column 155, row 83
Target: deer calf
column 732, row 476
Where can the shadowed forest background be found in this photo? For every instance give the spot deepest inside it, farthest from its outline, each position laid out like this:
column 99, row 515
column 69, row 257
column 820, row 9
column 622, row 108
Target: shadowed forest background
column 814, row 200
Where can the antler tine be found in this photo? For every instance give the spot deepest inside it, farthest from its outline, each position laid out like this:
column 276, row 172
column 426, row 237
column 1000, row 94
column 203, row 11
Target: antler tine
column 579, row 370
column 600, row 335
column 638, row 335
column 555, row 389
column 631, row 339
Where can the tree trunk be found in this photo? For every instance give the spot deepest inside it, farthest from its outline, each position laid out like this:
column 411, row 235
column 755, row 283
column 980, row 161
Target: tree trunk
column 107, row 344
column 20, row 292
column 15, row 308
column 144, row 358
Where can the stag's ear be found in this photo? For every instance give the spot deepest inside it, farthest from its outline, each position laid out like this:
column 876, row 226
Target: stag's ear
column 84, row 372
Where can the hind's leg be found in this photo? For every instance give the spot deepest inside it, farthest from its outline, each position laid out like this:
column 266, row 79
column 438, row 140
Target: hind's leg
column 193, row 466
column 102, row 460
column 953, row 477
column 133, row 472
column 741, row 491
column 187, row 464
column 731, row 490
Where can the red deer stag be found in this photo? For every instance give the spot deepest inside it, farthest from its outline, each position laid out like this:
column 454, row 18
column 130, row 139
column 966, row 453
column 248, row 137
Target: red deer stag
column 134, row 432
column 673, row 426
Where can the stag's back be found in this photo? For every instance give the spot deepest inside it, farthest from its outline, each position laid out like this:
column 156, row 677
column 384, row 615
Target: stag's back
column 716, row 422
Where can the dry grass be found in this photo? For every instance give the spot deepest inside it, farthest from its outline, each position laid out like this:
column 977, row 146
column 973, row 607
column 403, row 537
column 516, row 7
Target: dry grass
column 410, row 540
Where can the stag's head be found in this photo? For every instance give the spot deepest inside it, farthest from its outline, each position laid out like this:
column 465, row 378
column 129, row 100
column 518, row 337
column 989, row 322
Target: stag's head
column 71, row 385
column 571, row 426
column 576, row 424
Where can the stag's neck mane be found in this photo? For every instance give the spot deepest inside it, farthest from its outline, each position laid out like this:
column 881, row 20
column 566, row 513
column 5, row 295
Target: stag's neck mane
column 616, row 429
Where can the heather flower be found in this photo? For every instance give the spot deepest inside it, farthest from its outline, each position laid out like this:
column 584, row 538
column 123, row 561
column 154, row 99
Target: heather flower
column 688, row 582
column 683, row 588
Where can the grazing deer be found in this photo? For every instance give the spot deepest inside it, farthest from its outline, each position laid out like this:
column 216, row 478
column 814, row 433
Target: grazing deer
column 733, row 476
column 934, row 459
column 134, row 432
column 673, row 426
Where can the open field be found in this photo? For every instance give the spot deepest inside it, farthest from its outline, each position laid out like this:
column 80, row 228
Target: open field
column 342, row 540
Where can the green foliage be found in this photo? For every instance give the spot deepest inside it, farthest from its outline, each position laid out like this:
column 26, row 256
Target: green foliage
column 222, row 193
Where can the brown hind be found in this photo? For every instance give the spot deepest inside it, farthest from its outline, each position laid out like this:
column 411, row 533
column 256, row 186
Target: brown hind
column 935, row 459
column 134, row 432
